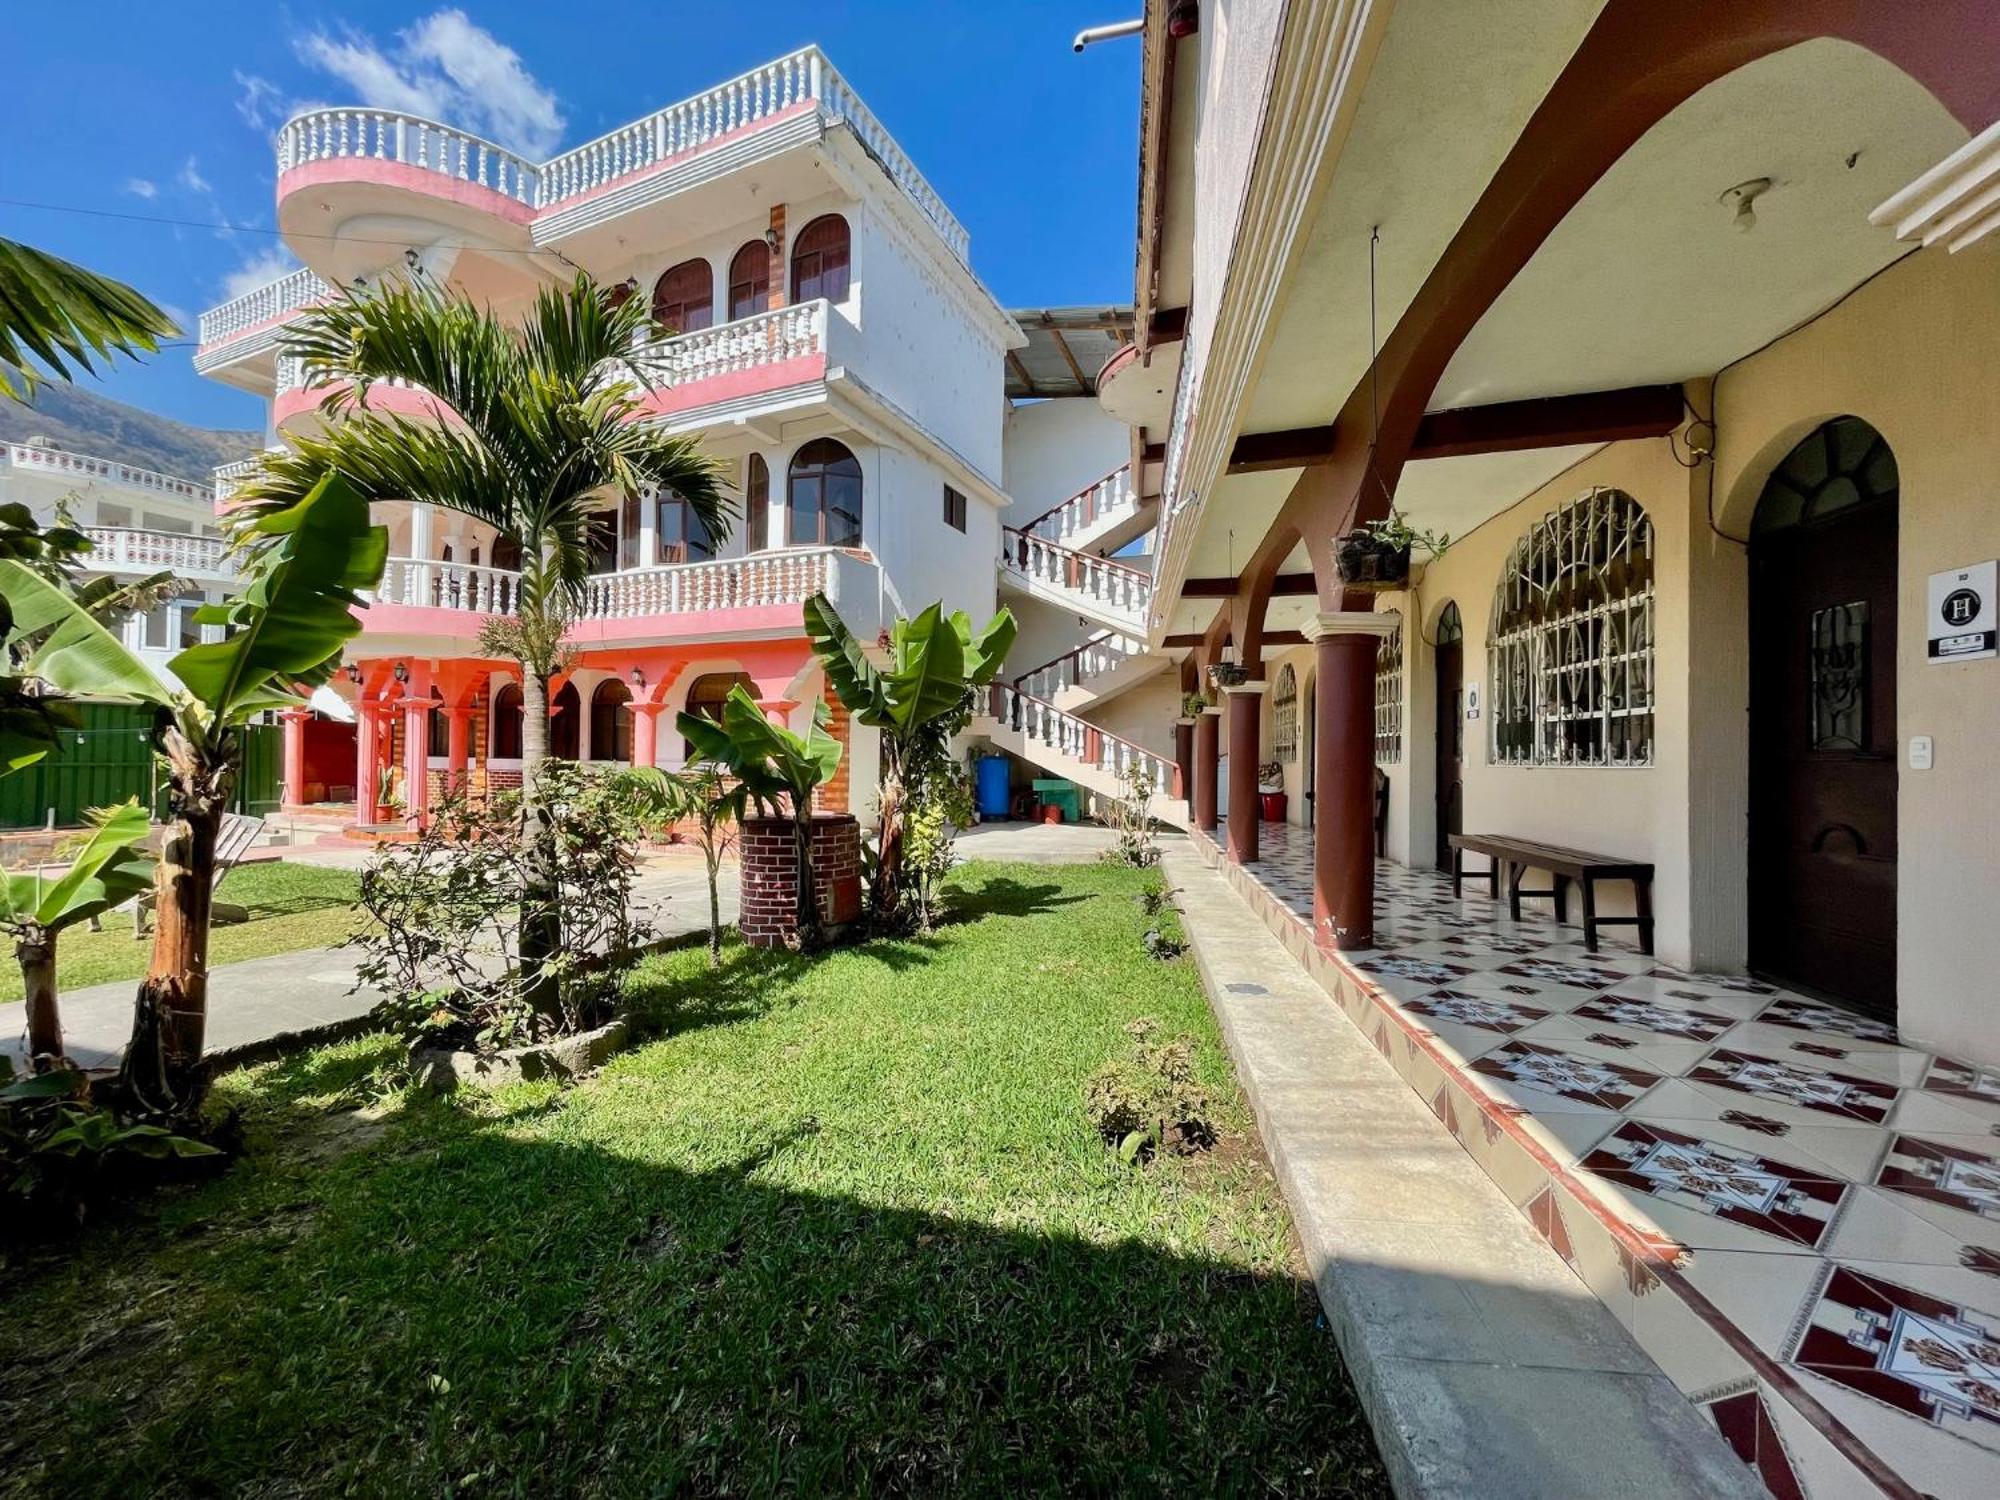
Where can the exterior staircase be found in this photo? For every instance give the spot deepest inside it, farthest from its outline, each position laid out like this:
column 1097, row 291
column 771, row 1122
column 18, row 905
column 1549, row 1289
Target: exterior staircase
column 1066, row 746
column 1095, row 672
column 1100, row 589
column 1100, row 518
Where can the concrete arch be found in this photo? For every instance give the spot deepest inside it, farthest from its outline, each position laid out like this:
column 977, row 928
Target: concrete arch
column 1736, row 509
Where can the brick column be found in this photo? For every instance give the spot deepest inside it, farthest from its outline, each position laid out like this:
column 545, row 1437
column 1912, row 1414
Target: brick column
column 1344, row 776
column 645, row 733
column 294, row 720
column 458, row 729
column 1184, row 757
column 416, row 759
column 1207, row 750
column 367, row 760
column 1246, row 712
column 775, row 298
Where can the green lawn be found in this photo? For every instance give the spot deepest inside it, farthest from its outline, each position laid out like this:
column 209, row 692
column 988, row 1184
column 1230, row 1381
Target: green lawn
column 839, row 1228
column 291, row 907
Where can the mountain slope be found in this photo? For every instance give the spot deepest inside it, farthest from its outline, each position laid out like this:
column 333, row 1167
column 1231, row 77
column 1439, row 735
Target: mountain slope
column 78, row 419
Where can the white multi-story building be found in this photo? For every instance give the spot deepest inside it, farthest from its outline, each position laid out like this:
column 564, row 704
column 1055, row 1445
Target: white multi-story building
column 883, row 417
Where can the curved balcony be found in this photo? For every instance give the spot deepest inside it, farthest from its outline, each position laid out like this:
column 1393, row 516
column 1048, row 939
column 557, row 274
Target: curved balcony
column 250, row 324
column 123, row 549
column 81, row 468
column 298, row 399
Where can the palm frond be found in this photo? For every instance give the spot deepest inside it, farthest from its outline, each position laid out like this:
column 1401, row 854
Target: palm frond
column 56, row 318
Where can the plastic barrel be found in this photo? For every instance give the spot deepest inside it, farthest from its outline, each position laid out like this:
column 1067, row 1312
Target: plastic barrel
column 991, row 788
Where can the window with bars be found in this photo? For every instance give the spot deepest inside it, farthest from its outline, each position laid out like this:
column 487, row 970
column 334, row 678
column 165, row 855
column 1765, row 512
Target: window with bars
column 1389, row 697
column 1285, row 716
column 1570, row 656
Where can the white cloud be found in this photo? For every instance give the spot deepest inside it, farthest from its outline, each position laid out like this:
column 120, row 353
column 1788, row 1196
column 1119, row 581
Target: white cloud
column 191, row 178
column 258, row 102
column 446, row 68
column 266, row 265
column 139, row 187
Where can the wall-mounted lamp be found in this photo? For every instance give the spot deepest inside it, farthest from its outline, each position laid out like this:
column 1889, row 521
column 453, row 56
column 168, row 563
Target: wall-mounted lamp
column 1743, row 198
column 773, row 240
column 639, row 678
column 354, row 673
column 412, row 259
column 402, row 671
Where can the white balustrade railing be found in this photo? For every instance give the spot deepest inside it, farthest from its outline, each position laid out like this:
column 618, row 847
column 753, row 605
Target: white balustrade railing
column 390, row 135
column 1041, row 723
column 121, row 549
column 32, row 458
column 228, row 476
column 294, row 374
column 695, row 588
column 680, row 588
column 1110, row 585
column 1112, row 497
column 744, row 101
column 266, row 304
column 765, row 338
column 1095, row 657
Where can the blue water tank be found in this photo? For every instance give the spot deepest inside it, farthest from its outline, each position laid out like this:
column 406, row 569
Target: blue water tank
column 991, row 793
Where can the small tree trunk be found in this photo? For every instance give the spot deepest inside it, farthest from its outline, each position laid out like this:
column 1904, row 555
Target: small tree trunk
column 162, row 1073
column 37, row 955
column 713, row 854
column 541, row 923
column 808, row 910
column 888, row 894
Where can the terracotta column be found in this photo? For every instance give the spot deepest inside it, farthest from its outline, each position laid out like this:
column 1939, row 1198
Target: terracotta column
column 778, row 710
column 294, row 720
column 645, row 732
column 366, row 759
column 1246, row 712
column 416, row 759
column 458, row 730
column 1344, row 776
column 1183, row 758
column 1207, row 749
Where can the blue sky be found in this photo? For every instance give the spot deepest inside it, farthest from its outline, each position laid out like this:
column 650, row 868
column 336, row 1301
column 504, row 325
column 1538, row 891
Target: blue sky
column 166, row 111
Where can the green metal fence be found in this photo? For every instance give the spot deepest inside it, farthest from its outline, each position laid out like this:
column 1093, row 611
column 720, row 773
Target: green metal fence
column 110, row 758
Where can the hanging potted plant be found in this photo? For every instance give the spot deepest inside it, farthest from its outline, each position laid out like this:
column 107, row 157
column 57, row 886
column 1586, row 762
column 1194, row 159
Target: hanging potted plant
column 1375, row 556
column 1194, row 704
column 1227, row 674
column 1271, row 791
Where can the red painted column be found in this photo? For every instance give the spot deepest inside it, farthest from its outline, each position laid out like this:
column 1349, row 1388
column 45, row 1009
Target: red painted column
column 778, row 710
column 646, row 733
column 416, row 760
column 1184, row 757
column 458, row 745
column 1246, row 711
column 367, row 759
column 1207, row 750
column 294, row 720
column 1344, row 780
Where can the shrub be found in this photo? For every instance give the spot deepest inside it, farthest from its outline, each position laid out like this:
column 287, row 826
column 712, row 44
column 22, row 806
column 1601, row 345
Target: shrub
column 940, row 803
column 447, row 911
column 1131, row 818
column 1149, row 1100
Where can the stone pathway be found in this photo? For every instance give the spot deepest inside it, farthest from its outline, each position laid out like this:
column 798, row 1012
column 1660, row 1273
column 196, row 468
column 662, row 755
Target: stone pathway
column 1486, row 1367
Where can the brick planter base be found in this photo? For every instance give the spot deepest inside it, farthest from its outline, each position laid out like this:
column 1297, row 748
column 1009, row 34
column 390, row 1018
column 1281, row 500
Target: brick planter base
column 769, row 905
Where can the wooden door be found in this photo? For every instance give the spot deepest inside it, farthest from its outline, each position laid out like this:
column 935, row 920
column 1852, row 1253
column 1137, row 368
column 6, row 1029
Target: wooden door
column 1823, row 753
column 1450, row 679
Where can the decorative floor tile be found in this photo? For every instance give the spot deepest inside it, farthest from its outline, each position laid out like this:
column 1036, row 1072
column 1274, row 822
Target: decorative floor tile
column 1950, row 1175
column 1795, row 1084
column 1577, row 976
column 1824, row 1020
column 1957, row 1080
column 1722, row 1181
column 1666, row 1020
column 1607, row 1085
column 1473, row 1010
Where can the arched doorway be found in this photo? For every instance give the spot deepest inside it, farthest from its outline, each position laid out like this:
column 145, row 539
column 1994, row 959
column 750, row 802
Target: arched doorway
column 611, row 722
column 1449, row 676
column 565, row 723
column 1823, row 718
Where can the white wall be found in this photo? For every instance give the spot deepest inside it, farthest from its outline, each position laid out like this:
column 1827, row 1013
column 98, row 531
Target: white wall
column 922, row 558
column 1055, row 449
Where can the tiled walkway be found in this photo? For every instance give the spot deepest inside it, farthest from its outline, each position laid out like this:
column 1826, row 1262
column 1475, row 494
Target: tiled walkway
column 1798, row 1217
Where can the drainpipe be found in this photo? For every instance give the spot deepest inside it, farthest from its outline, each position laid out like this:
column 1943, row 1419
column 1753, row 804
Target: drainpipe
column 1108, row 33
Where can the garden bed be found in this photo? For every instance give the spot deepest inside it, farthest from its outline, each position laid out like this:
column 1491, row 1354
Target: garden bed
column 834, row 1224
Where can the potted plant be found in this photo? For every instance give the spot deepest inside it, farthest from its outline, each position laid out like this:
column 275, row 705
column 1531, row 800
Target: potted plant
column 1193, row 705
column 388, row 806
column 1227, row 674
column 1375, row 556
column 1271, row 791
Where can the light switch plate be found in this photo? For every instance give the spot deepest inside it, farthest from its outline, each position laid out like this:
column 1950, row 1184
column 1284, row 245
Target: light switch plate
column 1920, row 752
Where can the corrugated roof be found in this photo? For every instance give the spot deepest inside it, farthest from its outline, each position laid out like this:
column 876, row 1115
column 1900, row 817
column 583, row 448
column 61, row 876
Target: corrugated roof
column 1066, row 348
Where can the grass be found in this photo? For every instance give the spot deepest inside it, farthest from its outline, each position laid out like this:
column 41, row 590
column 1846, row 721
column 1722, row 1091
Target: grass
column 291, row 906
column 838, row 1228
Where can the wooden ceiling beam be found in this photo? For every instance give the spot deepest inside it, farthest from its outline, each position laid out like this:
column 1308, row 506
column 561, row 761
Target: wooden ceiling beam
column 1640, row 411
column 1293, row 448
column 1285, row 584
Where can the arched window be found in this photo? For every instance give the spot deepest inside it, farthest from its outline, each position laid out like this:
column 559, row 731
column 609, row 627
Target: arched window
column 628, row 532
column 684, row 297
column 757, row 504
column 505, row 738
column 1451, row 629
column 611, row 721
column 706, row 695
column 823, row 496
column 565, row 726
column 1285, row 716
column 750, row 280
column 819, row 260
column 1837, row 467
column 683, row 538
column 1570, row 653
column 506, row 553
column 1389, row 697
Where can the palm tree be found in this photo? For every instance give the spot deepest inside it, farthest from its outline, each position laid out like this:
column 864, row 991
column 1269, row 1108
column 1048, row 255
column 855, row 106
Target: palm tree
column 54, row 316
column 544, row 422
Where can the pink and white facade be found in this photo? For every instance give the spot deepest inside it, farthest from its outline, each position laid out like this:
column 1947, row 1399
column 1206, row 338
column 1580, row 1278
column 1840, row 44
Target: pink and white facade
column 836, row 351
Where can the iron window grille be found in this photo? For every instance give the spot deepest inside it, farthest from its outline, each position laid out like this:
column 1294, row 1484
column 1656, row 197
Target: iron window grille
column 1285, row 716
column 1389, row 698
column 1570, row 662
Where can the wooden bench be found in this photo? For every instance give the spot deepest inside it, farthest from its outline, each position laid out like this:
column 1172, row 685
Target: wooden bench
column 233, row 839
column 1509, row 857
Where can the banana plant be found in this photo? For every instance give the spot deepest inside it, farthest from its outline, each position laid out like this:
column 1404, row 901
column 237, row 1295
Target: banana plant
column 305, row 563
column 776, row 769
column 701, row 795
column 36, row 908
column 936, row 663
